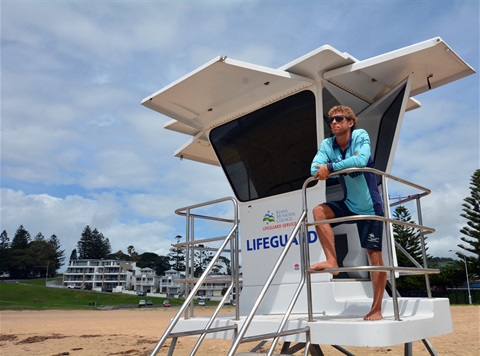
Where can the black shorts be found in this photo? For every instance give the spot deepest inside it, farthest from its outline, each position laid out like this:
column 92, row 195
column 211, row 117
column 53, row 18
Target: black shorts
column 370, row 231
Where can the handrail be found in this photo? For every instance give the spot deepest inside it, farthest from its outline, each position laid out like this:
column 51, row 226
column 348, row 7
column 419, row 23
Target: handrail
column 212, row 319
column 263, row 292
column 372, row 217
column 231, row 238
column 304, row 254
column 390, row 240
column 300, row 229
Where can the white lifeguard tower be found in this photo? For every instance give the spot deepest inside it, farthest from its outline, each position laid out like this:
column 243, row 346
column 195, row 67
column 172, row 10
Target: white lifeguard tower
column 262, row 126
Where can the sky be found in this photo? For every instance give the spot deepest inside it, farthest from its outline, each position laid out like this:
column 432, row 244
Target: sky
column 78, row 148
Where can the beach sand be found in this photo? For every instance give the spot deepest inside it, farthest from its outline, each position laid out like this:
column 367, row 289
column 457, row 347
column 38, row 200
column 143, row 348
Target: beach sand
column 136, row 332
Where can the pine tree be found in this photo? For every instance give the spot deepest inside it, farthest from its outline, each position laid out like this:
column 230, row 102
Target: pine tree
column 39, row 237
column 73, row 255
column 162, row 265
column 59, row 256
column 4, row 241
column 4, row 249
column 177, row 256
column 202, row 258
column 407, row 237
column 21, row 239
column 85, row 243
column 43, row 257
column 93, row 245
column 471, row 232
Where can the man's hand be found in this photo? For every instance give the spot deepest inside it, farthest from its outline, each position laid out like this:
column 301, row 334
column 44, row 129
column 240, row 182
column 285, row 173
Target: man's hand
column 322, row 173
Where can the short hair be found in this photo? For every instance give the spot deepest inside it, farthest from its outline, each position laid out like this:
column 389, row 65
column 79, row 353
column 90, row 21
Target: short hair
column 345, row 111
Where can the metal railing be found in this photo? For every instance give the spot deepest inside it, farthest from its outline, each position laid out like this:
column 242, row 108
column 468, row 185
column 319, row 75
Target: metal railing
column 389, row 237
column 301, row 229
column 230, row 240
column 303, row 224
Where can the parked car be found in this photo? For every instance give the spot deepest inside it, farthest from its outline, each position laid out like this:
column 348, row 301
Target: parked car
column 149, row 302
column 166, row 303
column 141, row 303
column 141, row 293
column 201, row 302
column 71, row 286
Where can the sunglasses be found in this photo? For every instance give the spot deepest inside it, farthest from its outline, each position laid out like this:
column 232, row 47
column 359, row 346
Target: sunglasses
column 336, row 118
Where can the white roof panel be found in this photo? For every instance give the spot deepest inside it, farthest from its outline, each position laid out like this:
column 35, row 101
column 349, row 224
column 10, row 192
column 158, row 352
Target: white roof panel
column 224, row 89
column 432, row 62
column 221, row 88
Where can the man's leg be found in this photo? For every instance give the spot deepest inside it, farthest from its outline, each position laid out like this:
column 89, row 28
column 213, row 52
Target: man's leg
column 379, row 281
column 326, row 237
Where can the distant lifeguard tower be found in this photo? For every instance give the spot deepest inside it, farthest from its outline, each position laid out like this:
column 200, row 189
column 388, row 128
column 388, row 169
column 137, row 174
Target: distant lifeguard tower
column 263, row 126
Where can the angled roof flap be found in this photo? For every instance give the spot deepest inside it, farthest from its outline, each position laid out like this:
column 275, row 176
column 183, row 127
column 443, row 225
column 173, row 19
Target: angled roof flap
column 177, row 126
column 432, row 62
column 198, row 149
column 220, row 88
column 314, row 64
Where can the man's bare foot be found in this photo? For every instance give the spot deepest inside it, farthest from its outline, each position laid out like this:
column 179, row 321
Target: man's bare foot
column 373, row 315
column 320, row 266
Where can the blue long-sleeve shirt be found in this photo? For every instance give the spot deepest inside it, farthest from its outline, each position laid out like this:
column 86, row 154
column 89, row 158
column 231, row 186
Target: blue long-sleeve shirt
column 360, row 189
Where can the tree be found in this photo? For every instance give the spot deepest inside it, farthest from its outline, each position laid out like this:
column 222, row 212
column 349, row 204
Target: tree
column 93, row 245
column 22, row 262
column 133, row 254
column 151, row 260
column 4, row 241
column 21, row 239
column 409, row 239
column 119, row 256
column 4, row 248
column 471, row 232
column 73, row 255
column 39, row 237
column 101, row 245
column 177, row 256
column 226, row 264
column 162, row 265
column 44, row 255
column 202, row 259
column 85, row 244
column 147, row 260
column 59, row 255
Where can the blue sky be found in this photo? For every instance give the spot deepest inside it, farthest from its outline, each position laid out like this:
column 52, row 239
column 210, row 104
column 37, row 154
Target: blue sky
column 78, row 149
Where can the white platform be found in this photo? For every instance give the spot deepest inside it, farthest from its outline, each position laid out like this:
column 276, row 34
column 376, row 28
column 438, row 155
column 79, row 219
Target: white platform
column 421, row 318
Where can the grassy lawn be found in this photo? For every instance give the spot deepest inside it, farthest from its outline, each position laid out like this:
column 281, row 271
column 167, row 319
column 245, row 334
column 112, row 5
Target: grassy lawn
column 34, row 295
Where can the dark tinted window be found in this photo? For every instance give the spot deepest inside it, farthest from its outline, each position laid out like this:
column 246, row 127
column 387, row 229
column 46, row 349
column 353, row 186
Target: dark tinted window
column 269, row 151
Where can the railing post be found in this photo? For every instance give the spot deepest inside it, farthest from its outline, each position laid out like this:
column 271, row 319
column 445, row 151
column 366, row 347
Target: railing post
column 390, row 246
column 236, row 265
column 424, row 250
column 305, row 251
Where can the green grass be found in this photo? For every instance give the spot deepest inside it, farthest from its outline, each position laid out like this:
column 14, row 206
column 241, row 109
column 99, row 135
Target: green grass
column 34, row 295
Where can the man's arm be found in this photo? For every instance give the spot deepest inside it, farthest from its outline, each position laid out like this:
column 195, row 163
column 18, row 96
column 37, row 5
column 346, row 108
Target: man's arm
column 320, row 159
column 362, row 152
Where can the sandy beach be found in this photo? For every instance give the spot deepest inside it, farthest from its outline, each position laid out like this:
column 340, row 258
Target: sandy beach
column 136, row 332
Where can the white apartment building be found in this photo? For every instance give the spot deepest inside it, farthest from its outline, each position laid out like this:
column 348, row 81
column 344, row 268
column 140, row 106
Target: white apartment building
column 170, row 286
column 119, row 276
column 109, row 275
column 146, row 280
column 213, row 287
